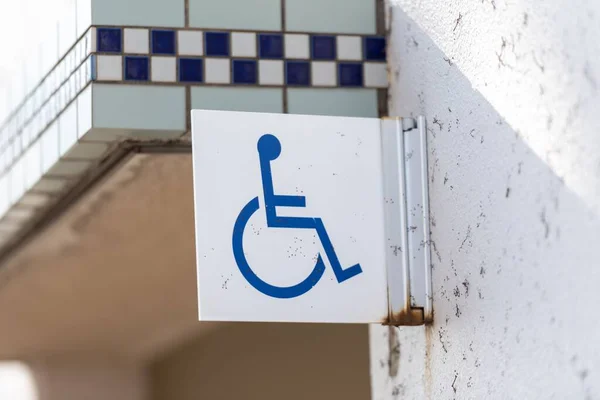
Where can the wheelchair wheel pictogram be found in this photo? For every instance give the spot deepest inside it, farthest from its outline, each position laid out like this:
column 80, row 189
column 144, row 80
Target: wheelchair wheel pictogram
column 280, row 292
column 269, row 149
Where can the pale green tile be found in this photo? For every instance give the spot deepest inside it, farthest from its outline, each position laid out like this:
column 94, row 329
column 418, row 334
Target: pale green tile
column 236, row 14
column 339, row 16
column 169, row 13
column 138, row 107
column 337, row 102
column 238, row 99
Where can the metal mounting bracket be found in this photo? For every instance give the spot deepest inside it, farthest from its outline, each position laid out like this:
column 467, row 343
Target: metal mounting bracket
column 406, row 196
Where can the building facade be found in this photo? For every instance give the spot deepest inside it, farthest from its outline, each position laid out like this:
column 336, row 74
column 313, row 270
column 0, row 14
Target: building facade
column 97, row 280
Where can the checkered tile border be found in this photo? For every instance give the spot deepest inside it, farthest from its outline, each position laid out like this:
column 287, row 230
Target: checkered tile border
column 207, row 57
column 192, row 57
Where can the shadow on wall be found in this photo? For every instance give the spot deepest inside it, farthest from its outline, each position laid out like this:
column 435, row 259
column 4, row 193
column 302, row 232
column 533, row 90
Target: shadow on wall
column 513, row 248
column 268, row 362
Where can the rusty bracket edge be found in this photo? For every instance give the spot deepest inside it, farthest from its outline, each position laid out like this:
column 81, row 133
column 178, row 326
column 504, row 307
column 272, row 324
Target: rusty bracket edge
column 408, row 258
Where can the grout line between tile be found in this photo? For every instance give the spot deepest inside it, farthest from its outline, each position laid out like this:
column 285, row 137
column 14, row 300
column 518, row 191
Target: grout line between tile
column 283, row 25
column 380, row 17
column 193, row 28
column 188, row 108
column 186, row 10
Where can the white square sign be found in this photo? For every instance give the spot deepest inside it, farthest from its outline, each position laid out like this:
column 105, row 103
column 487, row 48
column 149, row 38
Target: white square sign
column 289, row 214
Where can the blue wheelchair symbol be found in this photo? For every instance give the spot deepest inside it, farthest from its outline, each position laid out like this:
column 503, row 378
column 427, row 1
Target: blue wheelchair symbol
column 269, row 149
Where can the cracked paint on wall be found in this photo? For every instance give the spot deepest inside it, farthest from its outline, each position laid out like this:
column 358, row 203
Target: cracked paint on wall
column 511, row 97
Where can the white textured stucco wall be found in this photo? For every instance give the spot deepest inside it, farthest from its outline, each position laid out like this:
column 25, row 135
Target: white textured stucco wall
column 510, row 91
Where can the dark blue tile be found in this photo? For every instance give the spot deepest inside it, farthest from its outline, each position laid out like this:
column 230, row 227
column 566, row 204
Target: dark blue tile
column 163, row 41
column 270, row 45
column 216, row 43
column 136, row 68
column 245, row 71
column 322, row 47
column 374, row 48
column 297, row 73
column 350, row 74
column 109, row 40
column 191, row 70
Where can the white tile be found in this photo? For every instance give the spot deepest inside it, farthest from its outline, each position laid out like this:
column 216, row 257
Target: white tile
column 243, row 44
column 33, row 164
column 136, row 41
column 375, row 75
column 47, row 111
column 16, row 148
column 349, row 48
column 20, row 118
column 37, row 125
column 55, row 81
column 17, row 84
column 91, row 40
column 28, row 109
column 82, row 73
column 89, row 70
column 84, row 47
column 78, row 51
column 217, row 70
column 2, row 161
column 17, row 181
column 67, row 126
column 25, row 135
column 32, row 73
column 43, row 116
column 323, row 73
column 73, row 85
column 163, row 69
column 50, row 153
column 30, row 132
column 4, row 203
column 66, row 93
column 77, row 86
column 67, row 30
column 296, row 46
column 9, row 156
column 190, row 43
column 74, row 59
column 84, row 15
column 109, row 68
column 84, row 112
column 61, row 98
column 52, row 106
column 60, row 73
column 270, row 72
column 55, row 100
column 38, row 97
